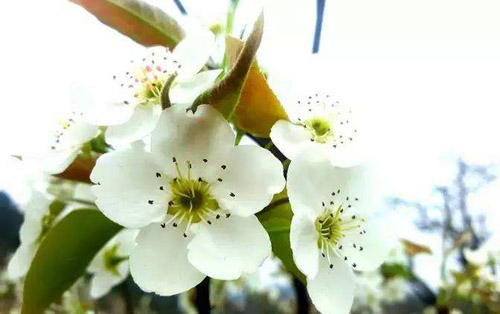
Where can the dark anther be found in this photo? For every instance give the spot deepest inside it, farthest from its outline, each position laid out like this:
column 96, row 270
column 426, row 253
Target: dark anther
column 162, row 225
column 223, row 167
column 205, row 160
column 353, row 216
column 331, row 266
column 199, row 179
column 170, row 203
column 185, row 235
column 340, row 247
column 158, row 175
column 209, row 222
column 175, row 224
column 161, row 188
column 220, row 180
column 232, row 194
column 173, row 159
column 217, row 217
column 345, row 258
column 354, row 265
column 228, row 215
column 150, row 201
column 323, row 204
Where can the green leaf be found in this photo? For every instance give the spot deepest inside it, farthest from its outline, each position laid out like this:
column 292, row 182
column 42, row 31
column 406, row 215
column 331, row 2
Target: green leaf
column 63, row 256
column 391, row 270
column 142, row 22
column 226, row 94
column 276, row 219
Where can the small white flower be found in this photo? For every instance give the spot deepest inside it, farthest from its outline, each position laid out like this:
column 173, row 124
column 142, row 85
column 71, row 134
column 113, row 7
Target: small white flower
column 194, row 196
column 330, row 234
column 134, row 106
column 317, row 121
column 110, row 266
column 55, row 148
column 38, row 219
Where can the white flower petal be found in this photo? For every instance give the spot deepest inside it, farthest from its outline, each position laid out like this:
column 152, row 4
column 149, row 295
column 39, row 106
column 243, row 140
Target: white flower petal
column 229, row 247
column 313, row 180
column 127, row 189
column 159, row 261
column 102, row 283
column 304, row 243
column 193, row 137
column 80, row 133
column 94, row 101
column 141, row 123
column 35, row 209
column 250, row 178
column 367, row 251
column 57, row 161
column 21, row 261
column 30, row 229
column 290, row 139
column 109, row 113
column 126, row 241
column 193, row 52
column 185, row 92
column 309, row 183
column 332, row 290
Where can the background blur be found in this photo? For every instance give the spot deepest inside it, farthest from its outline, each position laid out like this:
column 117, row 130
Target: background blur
column 425, row 76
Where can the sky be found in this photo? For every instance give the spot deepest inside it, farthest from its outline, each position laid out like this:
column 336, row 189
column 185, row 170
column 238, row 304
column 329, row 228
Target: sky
column 423, row 75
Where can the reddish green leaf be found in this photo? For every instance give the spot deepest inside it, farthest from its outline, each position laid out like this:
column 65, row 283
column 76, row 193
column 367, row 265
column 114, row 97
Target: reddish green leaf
column 144, row 23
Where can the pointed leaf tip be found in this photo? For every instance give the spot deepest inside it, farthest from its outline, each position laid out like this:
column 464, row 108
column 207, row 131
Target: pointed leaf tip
column 226, row 94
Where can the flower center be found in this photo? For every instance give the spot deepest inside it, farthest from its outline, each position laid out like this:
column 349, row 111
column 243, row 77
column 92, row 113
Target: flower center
column 320, row 129
column 191, row 199
column 150, row 90
column 332, row 226
column 112, row 259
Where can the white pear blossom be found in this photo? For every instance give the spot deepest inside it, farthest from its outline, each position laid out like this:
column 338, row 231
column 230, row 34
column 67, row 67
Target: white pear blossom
column 318, row 121
column 40, row 214
column 330, row 232
column 56, row 146
column 194, row 198
column 110, row 266
column 133, row 104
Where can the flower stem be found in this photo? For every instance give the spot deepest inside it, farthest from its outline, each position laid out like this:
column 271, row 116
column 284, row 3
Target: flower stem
column 164, row 98
column 202, row 300
column 301, row 295
column 269, row 145
column 274, row 204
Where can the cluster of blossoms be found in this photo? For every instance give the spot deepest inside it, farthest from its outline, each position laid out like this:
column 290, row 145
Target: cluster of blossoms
column 187, row 195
